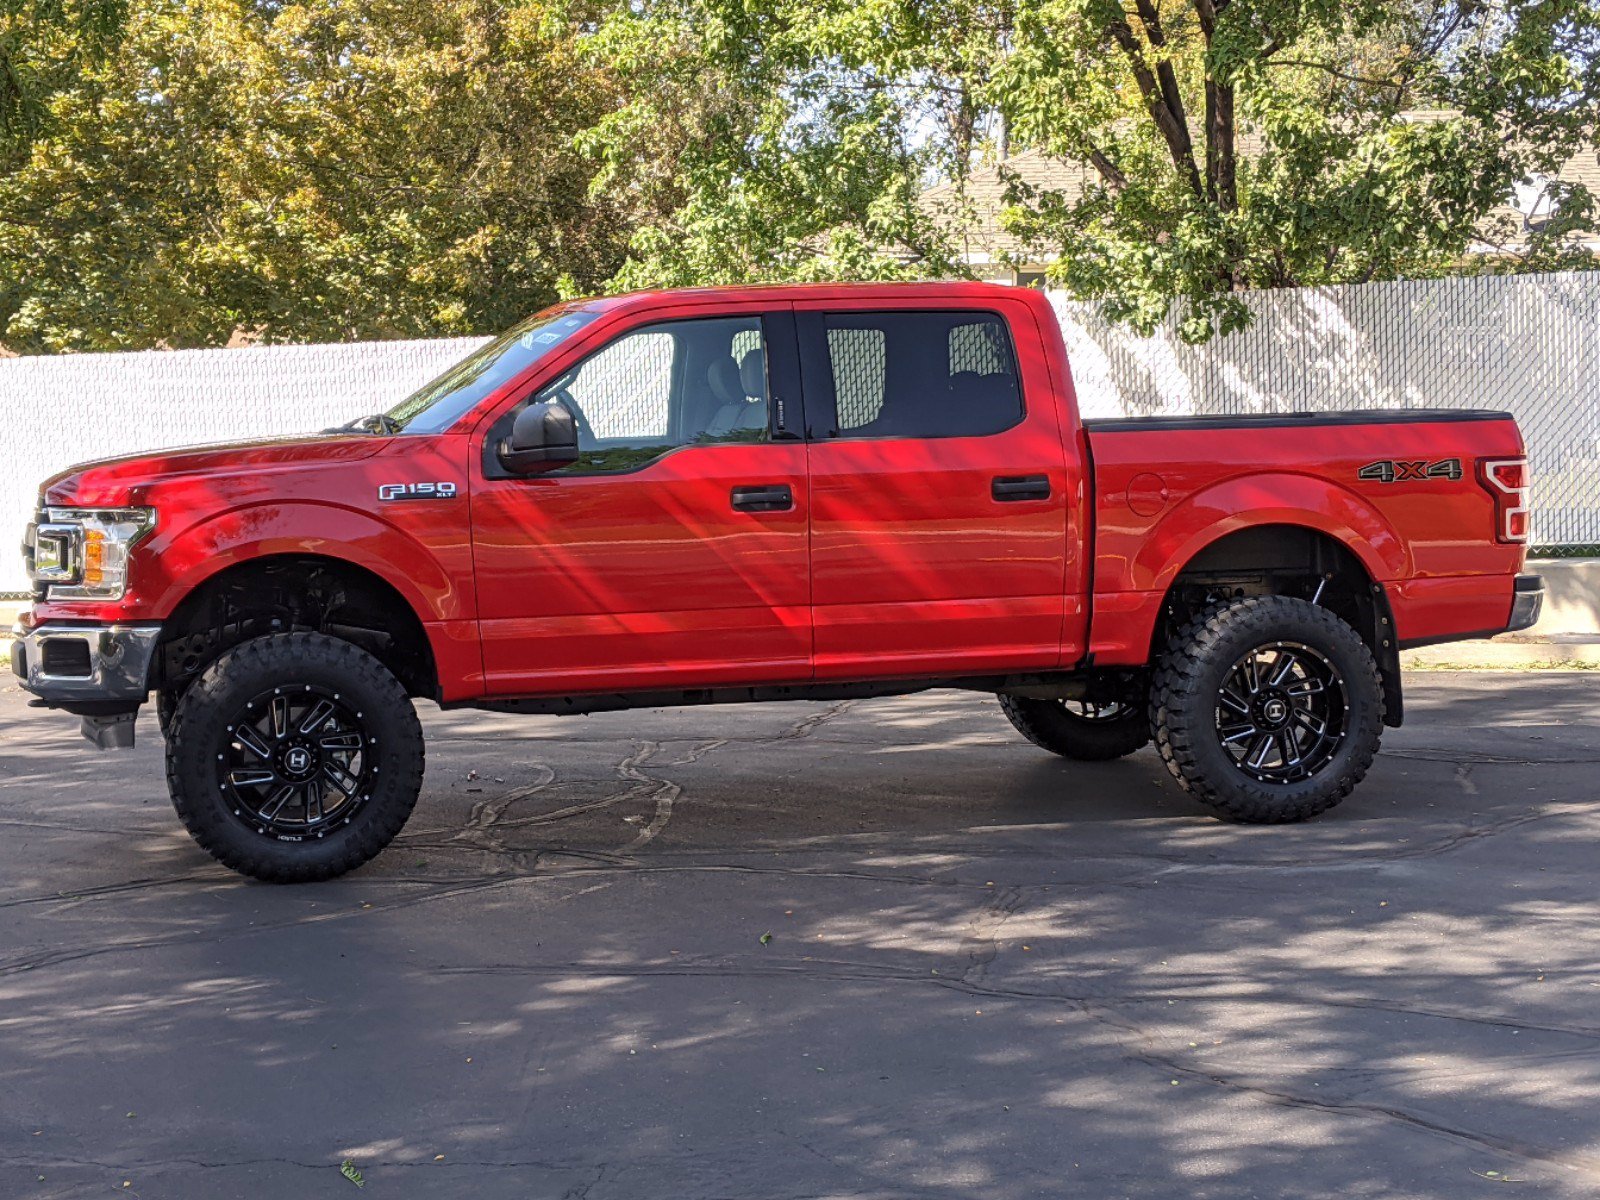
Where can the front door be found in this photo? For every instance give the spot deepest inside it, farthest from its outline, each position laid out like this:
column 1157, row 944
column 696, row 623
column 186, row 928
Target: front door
column 674, row 552
column 939, row 491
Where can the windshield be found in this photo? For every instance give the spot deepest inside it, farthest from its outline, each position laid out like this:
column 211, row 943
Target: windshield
column 437, row 405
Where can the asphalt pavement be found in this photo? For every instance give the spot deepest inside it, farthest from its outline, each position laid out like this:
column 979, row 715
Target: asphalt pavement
column 872, row 949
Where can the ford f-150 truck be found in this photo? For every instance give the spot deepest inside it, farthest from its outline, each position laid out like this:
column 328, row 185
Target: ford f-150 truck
column 755, row 494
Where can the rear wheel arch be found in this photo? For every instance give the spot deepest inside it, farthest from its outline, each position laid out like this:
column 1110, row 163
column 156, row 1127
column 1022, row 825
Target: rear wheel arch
column 1288, row 559
column 286, row 593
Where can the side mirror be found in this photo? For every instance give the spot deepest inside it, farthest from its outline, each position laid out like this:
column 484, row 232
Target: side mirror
column 543, row 437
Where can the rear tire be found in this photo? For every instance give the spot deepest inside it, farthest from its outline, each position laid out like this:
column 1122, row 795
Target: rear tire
column 1267, row 709
column 294, row 757
column 1077, row 729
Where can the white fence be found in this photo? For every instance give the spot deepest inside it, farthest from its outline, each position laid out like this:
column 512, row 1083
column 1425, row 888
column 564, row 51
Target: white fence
column 1530, row 344
column 60, row 410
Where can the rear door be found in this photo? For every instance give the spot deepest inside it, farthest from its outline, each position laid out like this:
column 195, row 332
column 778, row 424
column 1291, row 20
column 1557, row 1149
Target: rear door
column 674, row 552
column 939, row 490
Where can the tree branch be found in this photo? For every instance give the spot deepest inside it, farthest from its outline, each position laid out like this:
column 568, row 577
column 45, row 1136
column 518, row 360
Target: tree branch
column 1172, row 128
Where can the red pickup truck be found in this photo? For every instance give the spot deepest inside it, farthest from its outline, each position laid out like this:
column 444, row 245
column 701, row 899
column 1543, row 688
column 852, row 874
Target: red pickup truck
column 754, row 494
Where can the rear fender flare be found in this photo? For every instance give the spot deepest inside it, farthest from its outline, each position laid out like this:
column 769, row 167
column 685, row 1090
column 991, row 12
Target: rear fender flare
column 1271, row 498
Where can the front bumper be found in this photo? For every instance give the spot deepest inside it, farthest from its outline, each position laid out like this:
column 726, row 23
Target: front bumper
column 101, row 669
column 1527, row 599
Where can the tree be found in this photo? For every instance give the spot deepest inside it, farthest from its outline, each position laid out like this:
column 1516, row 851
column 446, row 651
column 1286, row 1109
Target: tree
column 1234, row 143
column 775, row 140
column 308, row 171
column 1278, row 143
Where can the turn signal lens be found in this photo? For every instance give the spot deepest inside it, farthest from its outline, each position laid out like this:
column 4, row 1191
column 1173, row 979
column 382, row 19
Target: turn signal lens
column 94, row 558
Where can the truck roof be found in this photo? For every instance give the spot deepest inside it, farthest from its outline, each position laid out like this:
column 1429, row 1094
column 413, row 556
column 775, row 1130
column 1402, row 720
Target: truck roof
column 941, row 290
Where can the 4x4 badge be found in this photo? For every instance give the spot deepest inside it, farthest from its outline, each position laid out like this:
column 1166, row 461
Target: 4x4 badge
column 416, row 491
column 1397, row 471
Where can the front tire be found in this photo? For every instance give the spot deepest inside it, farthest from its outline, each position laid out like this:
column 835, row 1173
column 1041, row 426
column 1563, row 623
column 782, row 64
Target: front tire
column 1083, row 730
column 294, row 757
column 1267, row 709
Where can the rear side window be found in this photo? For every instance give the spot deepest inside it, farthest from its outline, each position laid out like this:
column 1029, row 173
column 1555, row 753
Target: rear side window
column 922, row 374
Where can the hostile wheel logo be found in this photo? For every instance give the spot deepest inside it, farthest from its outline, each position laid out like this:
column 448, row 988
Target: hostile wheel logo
column 297, row 760
column 1274, row 710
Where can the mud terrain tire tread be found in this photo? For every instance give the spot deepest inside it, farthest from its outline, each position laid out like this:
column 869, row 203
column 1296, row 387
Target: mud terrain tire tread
column 1183, row 708
column 262, row 663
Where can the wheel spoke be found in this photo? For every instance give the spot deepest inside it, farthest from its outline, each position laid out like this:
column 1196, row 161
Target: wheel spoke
column 1287, row 662
column 1236, row 702
column 340, row 741
column 314, row 793
column 1310, row 721
column 1240, row 732
column 280, row 717
column 1309, row 686
column 275, row 805
column 1256, row 757
column 340, row 778
column 319, row 713
column 247, row 737
column 1286, row 751
column 251, row 777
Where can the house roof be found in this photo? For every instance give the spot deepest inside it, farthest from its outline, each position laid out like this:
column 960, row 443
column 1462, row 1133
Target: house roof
column 971, row 210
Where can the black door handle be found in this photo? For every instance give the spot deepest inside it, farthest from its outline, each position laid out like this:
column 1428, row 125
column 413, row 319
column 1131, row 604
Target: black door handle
column 771, row 497
column 1020, row 487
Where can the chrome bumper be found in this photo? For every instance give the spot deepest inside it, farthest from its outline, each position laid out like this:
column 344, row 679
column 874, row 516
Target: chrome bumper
column 1527, row 599
column 92, row 665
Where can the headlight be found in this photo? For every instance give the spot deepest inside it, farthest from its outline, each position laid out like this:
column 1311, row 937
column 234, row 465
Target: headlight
column 82, row 553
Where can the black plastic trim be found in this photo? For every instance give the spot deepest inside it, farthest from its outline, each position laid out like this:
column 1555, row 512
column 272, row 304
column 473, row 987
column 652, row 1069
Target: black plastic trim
column 1386, row 649
column 1472, row 636
column 1372, row 416
column 594, row 702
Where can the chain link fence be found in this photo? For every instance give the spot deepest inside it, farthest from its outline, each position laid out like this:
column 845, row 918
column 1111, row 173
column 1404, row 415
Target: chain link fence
column 1529, row 344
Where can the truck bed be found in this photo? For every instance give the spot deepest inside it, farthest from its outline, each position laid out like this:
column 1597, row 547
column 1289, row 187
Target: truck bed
column 1400, row 487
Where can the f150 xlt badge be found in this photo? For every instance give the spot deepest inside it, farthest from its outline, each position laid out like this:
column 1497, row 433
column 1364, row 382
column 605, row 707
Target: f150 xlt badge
column 1392, row 471
column 416, row 491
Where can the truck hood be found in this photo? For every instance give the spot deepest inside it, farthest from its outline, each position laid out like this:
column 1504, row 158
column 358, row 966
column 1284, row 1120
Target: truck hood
column 118, row 481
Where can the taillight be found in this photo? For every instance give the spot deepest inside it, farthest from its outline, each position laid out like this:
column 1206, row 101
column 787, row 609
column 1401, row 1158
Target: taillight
column 1507, row 481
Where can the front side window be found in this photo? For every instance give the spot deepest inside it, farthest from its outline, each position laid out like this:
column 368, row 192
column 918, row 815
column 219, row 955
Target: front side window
column 922, row 374
column 662, row 386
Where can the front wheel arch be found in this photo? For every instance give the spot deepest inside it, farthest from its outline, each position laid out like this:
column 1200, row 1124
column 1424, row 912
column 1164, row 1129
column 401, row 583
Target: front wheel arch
column 292, row 593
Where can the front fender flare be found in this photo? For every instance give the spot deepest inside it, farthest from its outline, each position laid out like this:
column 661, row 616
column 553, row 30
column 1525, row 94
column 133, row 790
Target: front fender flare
column 188, row 556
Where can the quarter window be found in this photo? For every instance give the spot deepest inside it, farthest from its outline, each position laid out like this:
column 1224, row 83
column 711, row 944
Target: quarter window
column 922, row 374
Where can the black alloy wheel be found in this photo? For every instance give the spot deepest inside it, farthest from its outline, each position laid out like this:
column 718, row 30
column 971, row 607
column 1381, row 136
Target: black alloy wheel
column 294, row 757
column 1267, row 709
column 1281, row 712
column 1084, row 730
column 298, row 761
